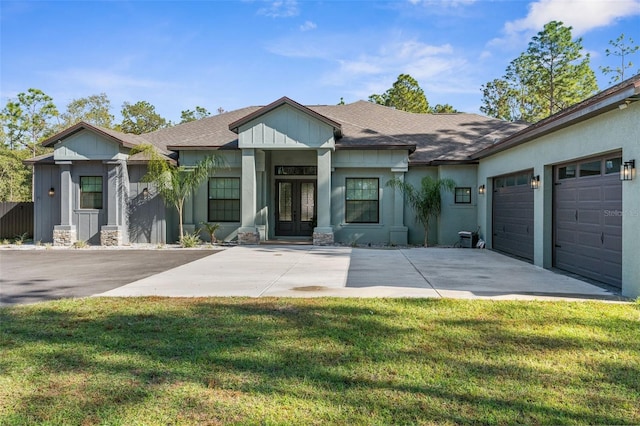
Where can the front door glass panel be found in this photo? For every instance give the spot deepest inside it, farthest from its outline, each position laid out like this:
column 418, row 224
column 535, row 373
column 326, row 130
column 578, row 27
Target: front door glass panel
column 285, row 204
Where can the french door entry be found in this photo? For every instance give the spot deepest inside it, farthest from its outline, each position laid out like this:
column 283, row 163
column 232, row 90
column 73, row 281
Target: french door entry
column 295, row 207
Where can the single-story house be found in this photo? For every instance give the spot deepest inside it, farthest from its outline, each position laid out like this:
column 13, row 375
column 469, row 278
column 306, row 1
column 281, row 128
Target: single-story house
column 550, row 193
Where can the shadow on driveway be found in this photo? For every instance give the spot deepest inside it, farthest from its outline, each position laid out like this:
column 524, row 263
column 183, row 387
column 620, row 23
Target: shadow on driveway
column 30, row 276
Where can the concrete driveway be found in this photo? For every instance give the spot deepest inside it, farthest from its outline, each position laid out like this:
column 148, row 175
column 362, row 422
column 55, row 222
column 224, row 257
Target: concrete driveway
column 308, row 271
column 30, row 276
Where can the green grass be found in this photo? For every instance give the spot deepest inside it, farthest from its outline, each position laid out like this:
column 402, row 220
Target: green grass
column 319, row 361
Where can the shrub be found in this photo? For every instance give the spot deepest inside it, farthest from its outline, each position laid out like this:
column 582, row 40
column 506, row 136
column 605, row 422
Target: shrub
column 80, row 244
column 211, row 229
column 191, row 240
column 21, row 239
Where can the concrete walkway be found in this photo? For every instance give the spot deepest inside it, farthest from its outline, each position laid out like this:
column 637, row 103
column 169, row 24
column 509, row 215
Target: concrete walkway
column 310, row 271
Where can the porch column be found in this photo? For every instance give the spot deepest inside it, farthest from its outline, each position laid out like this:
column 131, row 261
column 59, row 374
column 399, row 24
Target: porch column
column 323, row 232
column 248, row 233
column 111, row 234
column 398, row 234
column 65, row 234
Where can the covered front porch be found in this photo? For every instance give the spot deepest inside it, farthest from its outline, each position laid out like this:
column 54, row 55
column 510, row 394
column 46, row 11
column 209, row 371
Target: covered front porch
column 286, row 194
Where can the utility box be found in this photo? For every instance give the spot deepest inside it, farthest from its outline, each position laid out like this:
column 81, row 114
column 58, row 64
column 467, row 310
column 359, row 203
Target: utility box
column 468, row 239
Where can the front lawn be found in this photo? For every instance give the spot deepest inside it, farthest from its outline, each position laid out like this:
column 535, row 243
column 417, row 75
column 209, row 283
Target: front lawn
column 319, row 361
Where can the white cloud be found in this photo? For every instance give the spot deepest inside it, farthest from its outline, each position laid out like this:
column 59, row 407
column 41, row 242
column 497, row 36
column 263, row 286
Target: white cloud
column 436, row 68
column 280, row 9
column 362, row 65
column 582, row 15
column 307, row 26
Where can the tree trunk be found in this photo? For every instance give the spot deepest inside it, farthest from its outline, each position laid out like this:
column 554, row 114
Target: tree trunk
column 179, row 207
column 426, row 235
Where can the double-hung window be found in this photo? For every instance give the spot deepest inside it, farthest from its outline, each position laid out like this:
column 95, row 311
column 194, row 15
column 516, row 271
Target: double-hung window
column 224, row 199
column 362, row 200
column 90, row 192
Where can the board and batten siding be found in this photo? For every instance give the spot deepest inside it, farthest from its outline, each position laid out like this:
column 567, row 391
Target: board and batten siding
column 87, row 145
column 147, row 214
column 47, row 209
column 285, row 128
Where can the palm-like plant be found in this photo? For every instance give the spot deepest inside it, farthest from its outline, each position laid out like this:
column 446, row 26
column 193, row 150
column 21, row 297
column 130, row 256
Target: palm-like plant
column 211, row 229
column 426, row 201
column 176, row 183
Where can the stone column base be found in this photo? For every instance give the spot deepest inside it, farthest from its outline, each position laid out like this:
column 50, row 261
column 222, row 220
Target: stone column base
column 248, row 236
column 64, row 235
column 111, row 236
column 323, row 236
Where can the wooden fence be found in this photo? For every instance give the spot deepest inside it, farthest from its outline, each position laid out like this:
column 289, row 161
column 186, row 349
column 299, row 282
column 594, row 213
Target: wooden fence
column 16, row 219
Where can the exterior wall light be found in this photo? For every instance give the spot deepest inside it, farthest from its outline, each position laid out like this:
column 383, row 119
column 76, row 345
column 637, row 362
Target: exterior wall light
column 628, row 170
column 145, row 192
column 52, row 191
column 535, row 182
column 481, row 189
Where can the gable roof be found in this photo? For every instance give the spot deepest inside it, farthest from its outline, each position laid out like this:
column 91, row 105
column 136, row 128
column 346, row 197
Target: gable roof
column 337, row 128
column 618, row 96
column 127, row 140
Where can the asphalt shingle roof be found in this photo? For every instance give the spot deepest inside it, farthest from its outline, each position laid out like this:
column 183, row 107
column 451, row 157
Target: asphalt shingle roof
column 436, row 137
column 430, row 138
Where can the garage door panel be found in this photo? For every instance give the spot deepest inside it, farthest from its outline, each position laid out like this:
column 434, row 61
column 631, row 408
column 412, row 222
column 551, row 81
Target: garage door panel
column 612, row 220
column 612, row 243
column 589, row 217
column 589, row 240
column 566, row 236
column 588, row 227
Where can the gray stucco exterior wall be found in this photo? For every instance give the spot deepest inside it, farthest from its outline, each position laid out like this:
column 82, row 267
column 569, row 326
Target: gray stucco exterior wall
column 614, row 131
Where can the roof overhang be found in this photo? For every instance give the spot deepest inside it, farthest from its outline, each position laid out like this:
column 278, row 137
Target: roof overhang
column 443, row 162
column 607, row 100
column 405, row 147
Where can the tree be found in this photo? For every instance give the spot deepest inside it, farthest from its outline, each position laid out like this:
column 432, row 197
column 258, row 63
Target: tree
column 176, row 183
column 94, row 109
column 443, row 109
column 27, row 120
column 552, row 74
column 193, row 115
column 426, row 201
column 140, row 118
column 623, row 51
column 405, row 94
column 15, row 177
column 500, row 100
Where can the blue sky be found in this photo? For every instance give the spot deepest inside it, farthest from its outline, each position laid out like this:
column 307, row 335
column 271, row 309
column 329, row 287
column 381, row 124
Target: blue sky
column 232, row 54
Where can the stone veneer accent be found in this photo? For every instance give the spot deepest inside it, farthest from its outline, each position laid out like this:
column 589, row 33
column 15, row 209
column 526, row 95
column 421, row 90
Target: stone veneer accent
column 110, row 237
column 64, row 237
column 248, row 238
column 322, row 238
